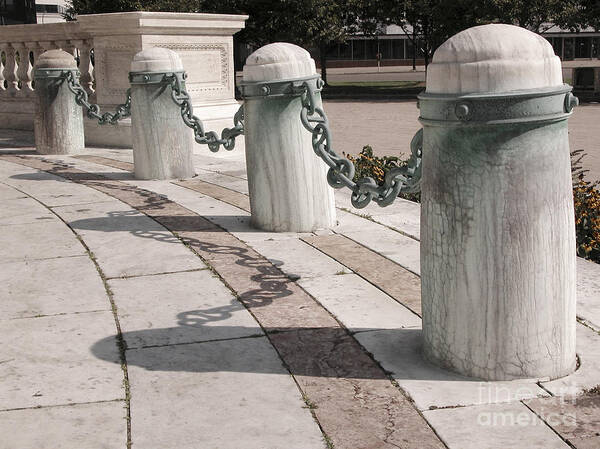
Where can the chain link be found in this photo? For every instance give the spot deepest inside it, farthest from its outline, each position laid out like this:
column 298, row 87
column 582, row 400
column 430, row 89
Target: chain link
column 210, row 138
column 341, row 171
column 93, row 110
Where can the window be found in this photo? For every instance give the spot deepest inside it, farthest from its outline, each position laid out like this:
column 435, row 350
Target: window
column 583, row 47
column 399, row 49
column 358, row 49
column 557, row 44
column 596, row 47
column 584, row 78
column 569, row 50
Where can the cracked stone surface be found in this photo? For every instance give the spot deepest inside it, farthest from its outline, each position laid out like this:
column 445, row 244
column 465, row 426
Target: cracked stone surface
column 340, row 394
column 576, row 419
column 280, row 305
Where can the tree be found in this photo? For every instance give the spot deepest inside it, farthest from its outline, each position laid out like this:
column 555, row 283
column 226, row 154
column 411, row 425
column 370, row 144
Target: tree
column 428, row 23
column 536, row 15
column 314, row 24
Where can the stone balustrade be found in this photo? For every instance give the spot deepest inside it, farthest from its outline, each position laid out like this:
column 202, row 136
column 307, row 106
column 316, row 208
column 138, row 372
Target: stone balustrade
column 20, row 46
column 104, row 46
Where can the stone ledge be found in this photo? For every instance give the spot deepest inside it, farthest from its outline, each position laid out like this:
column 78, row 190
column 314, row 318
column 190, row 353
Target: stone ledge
column 143, row 22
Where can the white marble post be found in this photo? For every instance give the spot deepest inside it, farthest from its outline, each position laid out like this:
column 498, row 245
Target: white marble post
column 58, row 123
column 162, row 143
column 286, row 180
column 497, row 220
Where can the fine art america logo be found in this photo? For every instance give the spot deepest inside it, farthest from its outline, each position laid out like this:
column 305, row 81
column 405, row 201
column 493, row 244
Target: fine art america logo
column 507, row 411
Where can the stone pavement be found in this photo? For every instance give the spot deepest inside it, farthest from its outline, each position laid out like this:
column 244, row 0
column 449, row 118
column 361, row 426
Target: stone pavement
column 150, row 314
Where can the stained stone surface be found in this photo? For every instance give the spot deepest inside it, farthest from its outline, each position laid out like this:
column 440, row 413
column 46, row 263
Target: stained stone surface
column 58, row 119
column 239, row 387
column 47, row 361
column 84, row 426
column 353, row 398
column 576, row 419
column 400, row 351
column 162, row 143
column 187, row 307
column 51, row 286
column 497, row 230
column 497, row 426
column 287, row 183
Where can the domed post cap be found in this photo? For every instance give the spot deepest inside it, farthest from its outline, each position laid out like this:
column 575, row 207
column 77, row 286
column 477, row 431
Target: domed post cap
column 156, row 59
column 278, row 61
column 56, row 59
column 492, row 59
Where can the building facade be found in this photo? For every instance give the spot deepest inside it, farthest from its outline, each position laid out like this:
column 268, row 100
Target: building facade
column 14, row 12
column 50, row 11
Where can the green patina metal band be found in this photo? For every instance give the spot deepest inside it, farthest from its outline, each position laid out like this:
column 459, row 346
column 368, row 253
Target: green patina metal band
column 280, row 88
column 527, row 106
column 154, row 77
column 42, row 73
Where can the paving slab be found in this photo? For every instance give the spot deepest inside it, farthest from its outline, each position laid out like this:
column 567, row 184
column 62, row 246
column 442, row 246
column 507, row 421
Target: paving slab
column 358, row 304
column 576, row 420
column 127, row 242
column 298, row 259
column 238, row 183
column 49, row 287
column 227, row 394
column 47, row 361
column 83, row 426
column 179, row 308
column 353, row 399
column 43, row 240
column 7, row 192
column 23, row 211
column 586, row 377
column 50, row 189
column 403, row 250
column 109, row 162
column 400, row 352
column 218, row 192
column 495, row 426
column 402, row 215
column 388, row 276
column 588, row 292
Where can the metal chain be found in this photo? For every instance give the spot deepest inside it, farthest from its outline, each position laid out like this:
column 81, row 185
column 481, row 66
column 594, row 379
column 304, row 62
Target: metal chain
column 210, row 138
column 341, row 171
column 93, row 110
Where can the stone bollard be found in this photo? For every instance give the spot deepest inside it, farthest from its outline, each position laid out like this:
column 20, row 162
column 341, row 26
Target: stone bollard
column 287, row 182
column 162, row 143
column 497, row 220
column 58, row 124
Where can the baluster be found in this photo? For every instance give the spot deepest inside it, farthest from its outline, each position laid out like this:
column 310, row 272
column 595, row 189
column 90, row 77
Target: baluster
column 2, row 87
column 10, row 70
column 37, row 49
column 85, row 66
column 24, row 69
